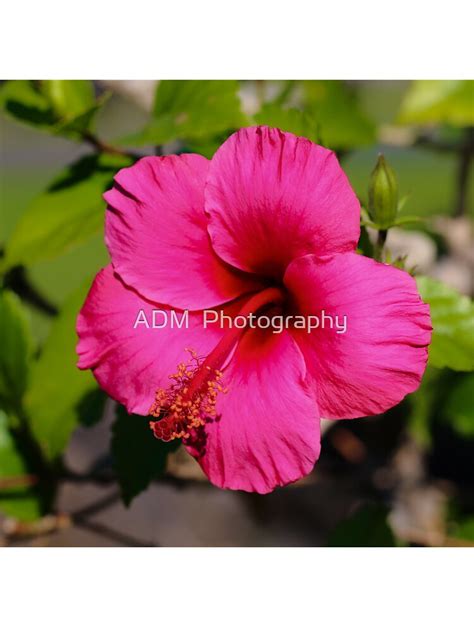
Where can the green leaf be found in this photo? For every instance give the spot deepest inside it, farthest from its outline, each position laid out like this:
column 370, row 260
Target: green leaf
column 76, row 126
column 439, row 101
column 62, row 107
column 55, row 399
column 69, row 212
column 206, row 146
column 459, row 406
column 91, row 407
column 422, row 403
column 16, row 347
column 138, row 456
column 20, row 501
column 341, row 123
column 24, row 101
column 288, row 120
column 402, row 202
column 408, row 219
column 69, row 98
column 366, row 527
column 452, row 315
column 189, row 110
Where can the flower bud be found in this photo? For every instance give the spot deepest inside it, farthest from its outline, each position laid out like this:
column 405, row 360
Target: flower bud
column 383, row 194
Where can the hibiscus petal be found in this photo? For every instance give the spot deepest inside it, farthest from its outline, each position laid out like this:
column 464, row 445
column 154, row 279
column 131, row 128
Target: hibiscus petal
column 272, row 196
column 382, row 355
column 268, row 431
column 156, row 233
column 131, row 363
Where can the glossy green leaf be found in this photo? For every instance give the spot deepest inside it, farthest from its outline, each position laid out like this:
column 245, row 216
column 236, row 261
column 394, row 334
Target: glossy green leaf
column 56, row 398
column 67, row 214
column 459, row 406
column 18, row 501
column 139, row 458
column 341, row 123
column 15, row 350
column 366, row 527
column 191, row 109
column 439, row 101
column 289, row 120
column 452, row 316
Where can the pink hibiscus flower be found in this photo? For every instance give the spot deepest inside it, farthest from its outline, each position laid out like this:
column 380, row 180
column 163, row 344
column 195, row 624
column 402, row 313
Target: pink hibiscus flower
column 268, row 226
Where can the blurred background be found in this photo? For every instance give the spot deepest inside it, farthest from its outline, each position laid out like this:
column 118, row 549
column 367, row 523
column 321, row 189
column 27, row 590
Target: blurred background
column 72, row 473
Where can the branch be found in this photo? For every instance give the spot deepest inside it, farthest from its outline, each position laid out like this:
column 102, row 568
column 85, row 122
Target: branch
column 16, row 531
column 112, row 534
column 109, row 478
column 95, row 507
column 12, row 482
column 103, row 147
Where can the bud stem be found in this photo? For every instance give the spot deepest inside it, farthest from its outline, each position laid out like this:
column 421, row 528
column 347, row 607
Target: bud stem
column 379, row 246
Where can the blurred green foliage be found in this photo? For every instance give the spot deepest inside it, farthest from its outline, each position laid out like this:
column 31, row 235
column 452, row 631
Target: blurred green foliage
column 329, row 114
column 53, row 220
column 66, row 214
column 452, row 316
column 66, row 108
column 444, row 399
column 436, row 101
column 297, row 122
column 464, row 530
column 367, row 526
column 57, row 386
column 342, row 122
column 16, row 344
column 459, row 406
column 187, row 110
column 19, row 500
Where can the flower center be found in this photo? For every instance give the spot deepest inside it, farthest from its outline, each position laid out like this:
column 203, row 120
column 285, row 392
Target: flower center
column 190, row 401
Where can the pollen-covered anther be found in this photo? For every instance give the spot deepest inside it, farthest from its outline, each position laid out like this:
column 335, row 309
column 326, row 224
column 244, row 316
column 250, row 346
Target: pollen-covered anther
column 189, row 402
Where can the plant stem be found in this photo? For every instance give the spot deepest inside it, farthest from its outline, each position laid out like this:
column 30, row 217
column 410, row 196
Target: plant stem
column 103, row 147
column 12, row 482
column 379, row 245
